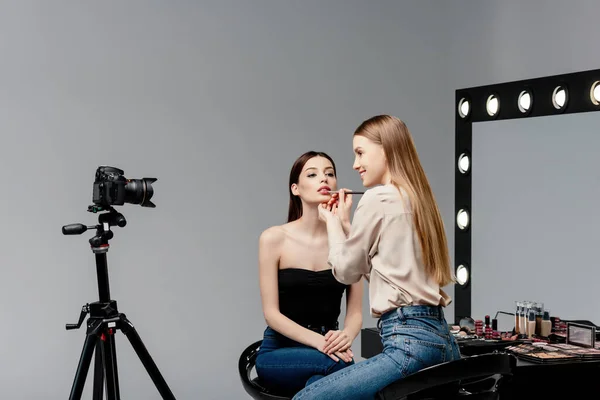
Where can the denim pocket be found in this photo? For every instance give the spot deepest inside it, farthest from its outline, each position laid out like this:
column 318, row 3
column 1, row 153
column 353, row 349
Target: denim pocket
column 423, row 353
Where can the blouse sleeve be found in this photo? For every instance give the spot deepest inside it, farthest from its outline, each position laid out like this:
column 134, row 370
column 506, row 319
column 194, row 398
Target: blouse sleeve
column 350, row 257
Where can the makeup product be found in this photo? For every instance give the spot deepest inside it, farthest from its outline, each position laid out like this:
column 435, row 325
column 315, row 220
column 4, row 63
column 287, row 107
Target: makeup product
column 526, row 318
column 517, row 322
column 495, row 333
column 479, row 327
column 539, row 313
column 546, row 325
column 347, row 192
column 531, row 324
column 581, row 334
column 488, row 328
column 548, row 357
column 522, row 319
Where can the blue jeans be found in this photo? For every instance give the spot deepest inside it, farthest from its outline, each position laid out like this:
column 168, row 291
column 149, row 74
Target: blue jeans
column 286, row 366
column 413, row 337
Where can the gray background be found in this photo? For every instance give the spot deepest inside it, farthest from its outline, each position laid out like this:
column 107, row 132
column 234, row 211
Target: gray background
column 216, row 99
column 536, row 185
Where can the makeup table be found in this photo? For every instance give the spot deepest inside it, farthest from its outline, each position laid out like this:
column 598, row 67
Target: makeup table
column 530, row 380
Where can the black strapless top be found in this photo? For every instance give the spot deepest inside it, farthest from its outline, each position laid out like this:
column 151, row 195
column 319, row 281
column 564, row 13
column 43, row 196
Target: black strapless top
column 310, row 298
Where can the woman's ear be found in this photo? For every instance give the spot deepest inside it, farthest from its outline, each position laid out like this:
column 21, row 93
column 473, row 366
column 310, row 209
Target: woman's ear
column 294, row 188
column 383, row 155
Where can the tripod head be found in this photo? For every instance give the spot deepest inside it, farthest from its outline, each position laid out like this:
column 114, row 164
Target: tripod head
column 110, row 218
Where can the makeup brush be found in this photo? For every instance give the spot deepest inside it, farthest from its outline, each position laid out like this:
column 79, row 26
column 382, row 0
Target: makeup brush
column 347, row 192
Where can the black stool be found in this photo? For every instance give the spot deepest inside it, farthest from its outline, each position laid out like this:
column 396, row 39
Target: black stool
column 253, row 386
column 473, row 377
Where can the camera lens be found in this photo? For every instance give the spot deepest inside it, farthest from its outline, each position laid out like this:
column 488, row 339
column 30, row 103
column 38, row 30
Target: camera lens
column 140, row 191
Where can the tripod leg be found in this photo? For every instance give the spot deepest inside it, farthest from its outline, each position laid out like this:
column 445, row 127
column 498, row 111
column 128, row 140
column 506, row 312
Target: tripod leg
column 110, row 364
column 83, row 366
column 98, row 374
column 136, row 342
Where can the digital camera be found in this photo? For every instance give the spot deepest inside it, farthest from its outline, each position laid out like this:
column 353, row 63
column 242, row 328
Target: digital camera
column 112, row 188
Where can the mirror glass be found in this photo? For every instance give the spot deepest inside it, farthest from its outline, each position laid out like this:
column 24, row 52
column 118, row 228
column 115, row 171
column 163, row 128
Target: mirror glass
column 536, row 215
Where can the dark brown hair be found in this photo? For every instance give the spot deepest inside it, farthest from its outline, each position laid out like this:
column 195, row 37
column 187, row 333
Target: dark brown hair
column 295, row 208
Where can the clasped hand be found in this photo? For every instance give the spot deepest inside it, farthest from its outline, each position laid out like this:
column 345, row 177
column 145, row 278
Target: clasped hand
column 337, row 343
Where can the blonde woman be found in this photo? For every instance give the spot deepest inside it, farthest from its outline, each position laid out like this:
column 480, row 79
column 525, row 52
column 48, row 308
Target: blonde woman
column 396, row 240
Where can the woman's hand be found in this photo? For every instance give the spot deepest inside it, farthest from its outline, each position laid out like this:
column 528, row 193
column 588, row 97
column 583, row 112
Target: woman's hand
column 327, row 211
column 344, row 205
column 341, row 205
column 336, row 341
column 344, row 355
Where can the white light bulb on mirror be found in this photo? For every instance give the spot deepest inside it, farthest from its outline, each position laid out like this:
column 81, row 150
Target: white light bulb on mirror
column 462, row 219
column 524, row 101
column 559, row 97
column 464, row 107
column 595, row 93
column 464, row 163
column 492, row 105
column 462, row 275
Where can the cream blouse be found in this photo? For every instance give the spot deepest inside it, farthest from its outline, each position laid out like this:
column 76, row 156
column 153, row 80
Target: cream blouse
column 383, row 245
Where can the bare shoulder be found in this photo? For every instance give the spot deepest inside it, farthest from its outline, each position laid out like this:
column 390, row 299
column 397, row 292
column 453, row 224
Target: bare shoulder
column 273, row 236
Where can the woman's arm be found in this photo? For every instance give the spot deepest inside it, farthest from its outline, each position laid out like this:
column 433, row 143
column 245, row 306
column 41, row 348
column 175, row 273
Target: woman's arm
column 342, row 340
column 269, row 250
column 353, row 320
column 349, row 256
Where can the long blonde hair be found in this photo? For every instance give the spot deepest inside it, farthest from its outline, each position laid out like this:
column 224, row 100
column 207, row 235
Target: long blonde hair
column 407, row 173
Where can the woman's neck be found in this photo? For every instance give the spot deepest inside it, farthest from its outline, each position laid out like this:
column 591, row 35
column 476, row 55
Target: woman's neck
column 311, row 223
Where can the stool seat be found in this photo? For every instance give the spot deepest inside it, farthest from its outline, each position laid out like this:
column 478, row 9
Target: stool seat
column 254, row 387
column 473, row 377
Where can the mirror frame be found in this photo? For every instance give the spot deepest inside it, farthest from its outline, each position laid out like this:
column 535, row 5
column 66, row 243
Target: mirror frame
column 578, row 87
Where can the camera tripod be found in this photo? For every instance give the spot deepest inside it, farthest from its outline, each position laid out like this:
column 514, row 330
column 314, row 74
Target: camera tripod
column 105, row 320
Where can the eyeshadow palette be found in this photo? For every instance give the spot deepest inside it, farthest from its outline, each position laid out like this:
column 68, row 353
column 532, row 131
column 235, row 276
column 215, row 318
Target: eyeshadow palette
column 524, row 348
column 548, row 357
column 544, row 353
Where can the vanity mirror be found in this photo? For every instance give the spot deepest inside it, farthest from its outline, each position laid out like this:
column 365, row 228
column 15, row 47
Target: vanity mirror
column 527, row 196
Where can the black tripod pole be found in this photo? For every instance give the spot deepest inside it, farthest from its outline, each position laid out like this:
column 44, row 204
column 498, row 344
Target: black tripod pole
column 103, row 323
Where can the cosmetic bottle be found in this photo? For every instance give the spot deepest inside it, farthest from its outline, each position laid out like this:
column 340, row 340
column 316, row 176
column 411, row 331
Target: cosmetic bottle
column 521, row 328
column 495, row 333
column 531, row 324
column 517, row 322
column 539, row 309
column 530, row 327
column 522, row 321
column 488, row 328
column 546, row 327
column 479, row 328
